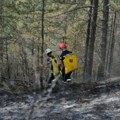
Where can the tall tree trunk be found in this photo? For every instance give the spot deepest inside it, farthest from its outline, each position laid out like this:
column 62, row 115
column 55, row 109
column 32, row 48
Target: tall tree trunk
column 108, row 44
column 89, row 53
column 112, row 45
column 87, row 41
column 42, row 45
column 103, row 44
column 1, row 39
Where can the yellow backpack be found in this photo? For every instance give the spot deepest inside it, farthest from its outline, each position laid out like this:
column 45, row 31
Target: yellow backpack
column 70, row 63
column 55, row 66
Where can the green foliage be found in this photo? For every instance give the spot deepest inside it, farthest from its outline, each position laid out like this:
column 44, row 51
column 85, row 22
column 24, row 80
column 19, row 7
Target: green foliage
column 21, row 27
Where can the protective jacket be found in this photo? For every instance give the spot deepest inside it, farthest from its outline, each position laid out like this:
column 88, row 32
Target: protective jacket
column 53, row 65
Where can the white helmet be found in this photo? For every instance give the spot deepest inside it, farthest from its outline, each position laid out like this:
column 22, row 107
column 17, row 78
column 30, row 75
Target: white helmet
column 48, row 50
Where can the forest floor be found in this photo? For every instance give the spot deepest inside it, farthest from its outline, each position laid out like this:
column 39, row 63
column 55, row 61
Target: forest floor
column 70, row 101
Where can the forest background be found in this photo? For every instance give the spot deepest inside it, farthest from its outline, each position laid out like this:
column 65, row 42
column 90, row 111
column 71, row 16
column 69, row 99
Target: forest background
column 91, row 29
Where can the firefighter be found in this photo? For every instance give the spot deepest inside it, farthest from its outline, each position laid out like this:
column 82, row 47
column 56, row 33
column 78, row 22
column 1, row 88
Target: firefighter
column 53, row 65
column 64, row 54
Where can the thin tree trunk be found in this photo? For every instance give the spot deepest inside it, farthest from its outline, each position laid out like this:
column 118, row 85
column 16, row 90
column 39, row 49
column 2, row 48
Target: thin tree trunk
column 90, row 41
column 112, row 45
column 87, row 41
column 42, row 45
column 103, row 44
column 1, row 39
column 108, row 46
column 7, row 58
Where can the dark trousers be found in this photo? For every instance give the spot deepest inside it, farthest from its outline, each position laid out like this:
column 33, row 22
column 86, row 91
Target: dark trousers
column 65, row 76
column 51, row 78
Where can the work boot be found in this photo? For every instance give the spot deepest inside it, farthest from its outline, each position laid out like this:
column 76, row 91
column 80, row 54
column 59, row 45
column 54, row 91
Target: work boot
column 68, row 80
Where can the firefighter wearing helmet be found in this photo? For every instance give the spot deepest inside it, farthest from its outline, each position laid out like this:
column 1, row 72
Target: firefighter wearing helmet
column 52, row 63
column 64, row 54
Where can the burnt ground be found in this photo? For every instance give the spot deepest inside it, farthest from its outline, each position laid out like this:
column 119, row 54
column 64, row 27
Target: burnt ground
column 72, row 101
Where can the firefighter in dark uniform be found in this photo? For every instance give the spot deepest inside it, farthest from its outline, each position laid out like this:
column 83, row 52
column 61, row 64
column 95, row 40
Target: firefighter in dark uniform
column 65, row 53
